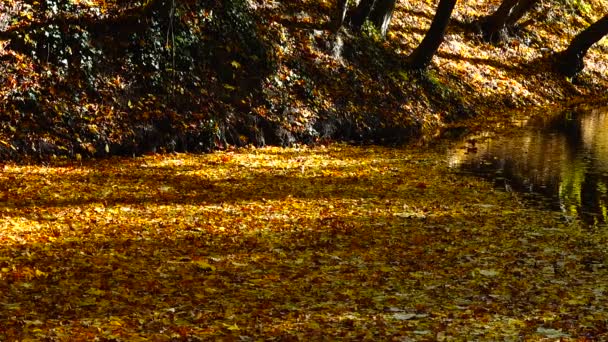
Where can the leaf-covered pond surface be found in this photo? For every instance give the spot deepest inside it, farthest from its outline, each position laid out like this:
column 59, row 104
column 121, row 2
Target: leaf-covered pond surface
column 299, row 244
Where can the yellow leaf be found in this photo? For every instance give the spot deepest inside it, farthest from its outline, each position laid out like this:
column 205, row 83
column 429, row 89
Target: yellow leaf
column 96, row 292
column 232, row 327
column 39, row 273
column 6, row 144
column 203, row 266
column 488, row 273
column 576, row 301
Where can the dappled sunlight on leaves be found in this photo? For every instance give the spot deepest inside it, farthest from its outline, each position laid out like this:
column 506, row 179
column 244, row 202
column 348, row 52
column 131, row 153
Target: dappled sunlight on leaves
column 288, row 243
column 99, row 78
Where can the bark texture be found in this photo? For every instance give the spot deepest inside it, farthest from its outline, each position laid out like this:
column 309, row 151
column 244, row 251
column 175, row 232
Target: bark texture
column 341, row 9
column 570, row 61
column 522, row 7
column 494, row 26
column 381, row 14
column 423, row 54
column 361, row 13
column 378, row 12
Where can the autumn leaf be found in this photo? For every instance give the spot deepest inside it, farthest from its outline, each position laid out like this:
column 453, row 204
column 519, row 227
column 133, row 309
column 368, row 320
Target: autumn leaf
column 203, row 266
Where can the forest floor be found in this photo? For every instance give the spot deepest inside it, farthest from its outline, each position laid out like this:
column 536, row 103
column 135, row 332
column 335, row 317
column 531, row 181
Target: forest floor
column 320, row 242
column 323, row 243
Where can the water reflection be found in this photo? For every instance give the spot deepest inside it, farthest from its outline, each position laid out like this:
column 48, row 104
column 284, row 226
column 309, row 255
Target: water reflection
column 561, row 162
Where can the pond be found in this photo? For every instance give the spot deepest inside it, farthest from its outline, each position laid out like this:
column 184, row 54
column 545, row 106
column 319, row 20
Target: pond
column 560, row 162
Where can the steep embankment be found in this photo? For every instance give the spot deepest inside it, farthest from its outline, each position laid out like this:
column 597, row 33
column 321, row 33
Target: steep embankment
column 92, row 78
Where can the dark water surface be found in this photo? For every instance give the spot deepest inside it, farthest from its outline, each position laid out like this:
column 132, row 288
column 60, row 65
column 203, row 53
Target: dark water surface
column 559, row 162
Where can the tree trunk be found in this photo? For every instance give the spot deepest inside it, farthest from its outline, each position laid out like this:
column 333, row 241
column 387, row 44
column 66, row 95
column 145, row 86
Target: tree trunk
column 570, row 62
column 422, row 55
column 522, row 7
column 342, row 7
column 361, row 13
column 381, row 14
column 493, row 25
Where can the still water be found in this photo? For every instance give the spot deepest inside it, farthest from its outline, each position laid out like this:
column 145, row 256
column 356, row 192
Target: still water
column 559, row 162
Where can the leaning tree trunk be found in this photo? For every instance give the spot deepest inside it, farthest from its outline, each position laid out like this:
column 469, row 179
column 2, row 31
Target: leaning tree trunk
column 381, row 14
column 570, row 62
column 493, row 25
column 422, row 55
column 522, row 7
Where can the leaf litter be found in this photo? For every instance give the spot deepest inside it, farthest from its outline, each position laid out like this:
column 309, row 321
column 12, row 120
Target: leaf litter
column 299, row 243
